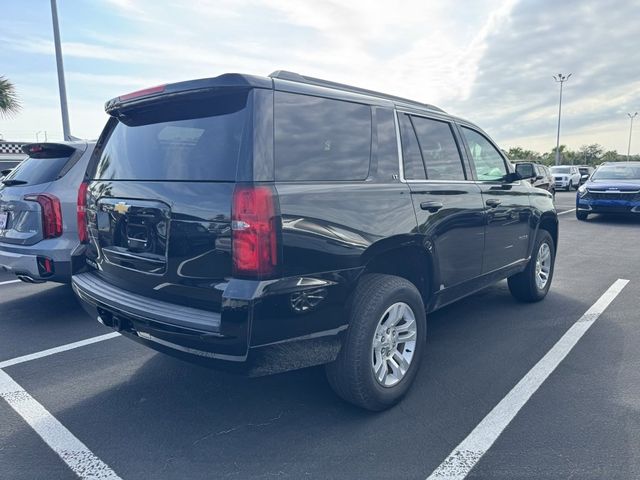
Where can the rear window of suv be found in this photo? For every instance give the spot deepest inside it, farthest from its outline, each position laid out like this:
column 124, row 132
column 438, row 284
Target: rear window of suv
column 197, row 138
column 320, row 139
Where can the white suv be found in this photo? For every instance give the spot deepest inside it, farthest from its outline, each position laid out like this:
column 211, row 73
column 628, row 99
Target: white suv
column 566, row 177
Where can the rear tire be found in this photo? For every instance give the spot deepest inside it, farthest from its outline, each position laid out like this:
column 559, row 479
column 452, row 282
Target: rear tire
column 528, row 285
column 581, row 215
column 355, row 375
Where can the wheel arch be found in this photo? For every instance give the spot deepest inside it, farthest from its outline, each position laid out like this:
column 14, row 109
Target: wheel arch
column 410, row 261
column 549, row 222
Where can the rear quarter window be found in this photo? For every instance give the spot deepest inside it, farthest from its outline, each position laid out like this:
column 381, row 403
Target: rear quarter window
column 320, row 139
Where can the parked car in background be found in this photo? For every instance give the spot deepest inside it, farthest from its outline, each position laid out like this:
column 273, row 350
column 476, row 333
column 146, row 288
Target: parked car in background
column 566, row 177
column 38, row 211
column 274, row 223
column 539, row 175
column 612, row 188
column 585, row 172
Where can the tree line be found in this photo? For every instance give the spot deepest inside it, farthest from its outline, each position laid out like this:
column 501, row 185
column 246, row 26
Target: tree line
column 592, row 155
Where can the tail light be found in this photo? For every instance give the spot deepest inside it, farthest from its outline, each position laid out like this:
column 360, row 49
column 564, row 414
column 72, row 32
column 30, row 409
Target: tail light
column 254, row 224
column 83, row 227
column 51, row 214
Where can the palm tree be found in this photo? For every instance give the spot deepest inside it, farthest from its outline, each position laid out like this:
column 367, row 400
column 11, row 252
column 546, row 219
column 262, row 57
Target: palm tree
column 9, row 103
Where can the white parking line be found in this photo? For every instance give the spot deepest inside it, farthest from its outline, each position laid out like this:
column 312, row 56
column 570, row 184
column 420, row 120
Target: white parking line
column 465, row 456
column 10, row 281
column 62, row 348
column 71, row 450
column 567, row 211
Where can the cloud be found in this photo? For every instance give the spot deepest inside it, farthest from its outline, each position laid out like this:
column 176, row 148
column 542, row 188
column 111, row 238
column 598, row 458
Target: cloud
column 514, row 96
column 490, row 61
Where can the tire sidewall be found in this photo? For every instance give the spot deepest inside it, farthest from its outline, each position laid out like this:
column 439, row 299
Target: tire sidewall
column 543, row 237
column 390, row 395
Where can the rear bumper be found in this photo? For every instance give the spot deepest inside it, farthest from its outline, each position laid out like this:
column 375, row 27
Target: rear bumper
column 226, row 340
column 23, row 262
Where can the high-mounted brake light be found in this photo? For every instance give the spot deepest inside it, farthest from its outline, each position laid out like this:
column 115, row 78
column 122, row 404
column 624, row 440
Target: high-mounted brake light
column 254, row 225
column 83, row 227
column 142, row 93
column 51, row 213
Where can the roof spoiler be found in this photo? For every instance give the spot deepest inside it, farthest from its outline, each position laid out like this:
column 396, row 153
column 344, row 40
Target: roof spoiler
column 48, row 150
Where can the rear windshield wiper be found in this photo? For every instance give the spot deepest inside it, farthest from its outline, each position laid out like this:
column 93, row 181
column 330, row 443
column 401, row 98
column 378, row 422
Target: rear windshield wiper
column 14, row 182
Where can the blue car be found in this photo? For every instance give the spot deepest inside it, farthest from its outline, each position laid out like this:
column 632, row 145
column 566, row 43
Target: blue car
column 612, row 188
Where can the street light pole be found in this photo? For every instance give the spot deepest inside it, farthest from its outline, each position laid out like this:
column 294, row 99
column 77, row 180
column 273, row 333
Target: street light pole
column 560, row 78
column 61, row 84
column 630, row 130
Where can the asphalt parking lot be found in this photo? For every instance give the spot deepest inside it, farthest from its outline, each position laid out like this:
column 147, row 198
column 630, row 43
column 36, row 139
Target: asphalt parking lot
column 140, row 414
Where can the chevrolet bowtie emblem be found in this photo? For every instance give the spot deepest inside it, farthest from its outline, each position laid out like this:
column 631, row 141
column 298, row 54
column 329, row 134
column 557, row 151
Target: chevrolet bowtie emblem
column 121, row 207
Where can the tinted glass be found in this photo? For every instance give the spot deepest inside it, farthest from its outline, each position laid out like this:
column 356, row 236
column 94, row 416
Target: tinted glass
column 488, row 162
column 412, row 159
column 560, row 170
column 192, row 139
column 439, row 149
column 321, row 139
column 34, row 171
column 617, row 172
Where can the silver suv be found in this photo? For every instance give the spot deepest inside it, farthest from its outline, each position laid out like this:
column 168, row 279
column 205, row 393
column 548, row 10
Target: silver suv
column 38, row 211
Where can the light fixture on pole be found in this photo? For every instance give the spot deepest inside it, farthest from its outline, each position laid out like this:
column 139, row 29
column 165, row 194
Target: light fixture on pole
column 560, row 78
column 61, row 83
column 631, row 117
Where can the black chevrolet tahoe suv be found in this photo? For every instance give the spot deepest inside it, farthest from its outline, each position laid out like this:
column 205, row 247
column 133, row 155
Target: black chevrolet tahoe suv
column 274, row 223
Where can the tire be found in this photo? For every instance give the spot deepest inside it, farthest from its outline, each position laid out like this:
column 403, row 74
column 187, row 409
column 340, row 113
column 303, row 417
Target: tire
column 524, row 285
column 581, row 215
column 577, row 186
column 352, row 375
column 570, row 186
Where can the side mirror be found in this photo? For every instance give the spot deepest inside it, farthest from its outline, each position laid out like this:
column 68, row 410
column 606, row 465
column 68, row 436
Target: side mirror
column 525, row 170
column 539, row 177
column 585, row 177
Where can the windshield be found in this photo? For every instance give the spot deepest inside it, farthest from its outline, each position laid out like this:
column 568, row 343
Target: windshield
column 617, row 172
column 560, row 170
column 190, row 139
column 34, row 171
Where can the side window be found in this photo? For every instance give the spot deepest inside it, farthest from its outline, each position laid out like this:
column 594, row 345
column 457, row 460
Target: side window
column 321, row 139
column 488, row 162
column 439, row 149
column 413, row 166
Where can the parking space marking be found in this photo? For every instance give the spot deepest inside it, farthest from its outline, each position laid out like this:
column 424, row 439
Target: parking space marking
column 567, row 211
column 61, row 348
column 71, row 450
column 10, row 281
column 465, row 456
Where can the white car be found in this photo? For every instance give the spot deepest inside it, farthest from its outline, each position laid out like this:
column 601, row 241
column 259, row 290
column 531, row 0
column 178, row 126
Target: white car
column 566, row 177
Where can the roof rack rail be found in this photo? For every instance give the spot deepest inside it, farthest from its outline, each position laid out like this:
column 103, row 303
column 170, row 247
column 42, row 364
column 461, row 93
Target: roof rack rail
column 296, row 77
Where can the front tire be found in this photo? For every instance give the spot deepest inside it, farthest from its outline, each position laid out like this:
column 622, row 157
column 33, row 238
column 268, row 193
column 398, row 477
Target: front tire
column 581, row 215
column 532, row 284
column 570, row 186
column 383, row 347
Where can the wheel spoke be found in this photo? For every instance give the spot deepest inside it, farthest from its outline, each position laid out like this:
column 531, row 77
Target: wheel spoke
column 381, row 371
column 401, row 362
column 406, row 336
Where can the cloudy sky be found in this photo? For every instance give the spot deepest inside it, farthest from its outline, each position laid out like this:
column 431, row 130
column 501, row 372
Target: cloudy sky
column 490, row 61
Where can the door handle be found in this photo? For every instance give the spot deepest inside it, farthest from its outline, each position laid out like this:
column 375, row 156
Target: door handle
column 493, row 202
column 431, row 206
